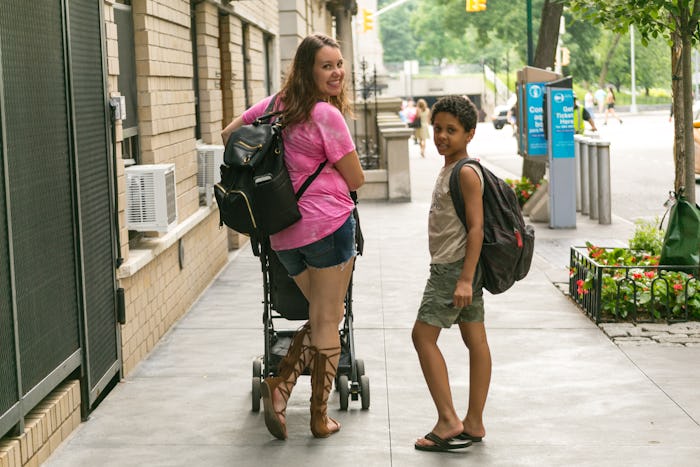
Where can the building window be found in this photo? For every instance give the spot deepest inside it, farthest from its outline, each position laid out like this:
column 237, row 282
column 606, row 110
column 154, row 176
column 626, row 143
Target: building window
column 126, row 81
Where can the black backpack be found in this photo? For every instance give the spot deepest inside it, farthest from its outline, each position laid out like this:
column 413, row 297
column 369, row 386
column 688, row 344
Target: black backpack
column 255, row 195
column 509, row 243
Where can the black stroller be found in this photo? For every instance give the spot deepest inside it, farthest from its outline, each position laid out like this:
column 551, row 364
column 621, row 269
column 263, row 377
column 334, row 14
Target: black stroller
column 284, row 300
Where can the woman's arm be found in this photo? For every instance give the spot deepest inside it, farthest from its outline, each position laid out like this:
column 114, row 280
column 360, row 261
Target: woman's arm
column 351, row 170
column 235, row 124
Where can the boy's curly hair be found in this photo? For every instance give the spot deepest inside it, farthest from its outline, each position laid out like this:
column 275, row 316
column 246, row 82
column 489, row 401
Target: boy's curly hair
column 460, row 106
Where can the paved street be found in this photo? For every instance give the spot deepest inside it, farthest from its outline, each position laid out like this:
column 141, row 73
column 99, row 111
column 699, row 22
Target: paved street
column 641, row 161
column 562, row 392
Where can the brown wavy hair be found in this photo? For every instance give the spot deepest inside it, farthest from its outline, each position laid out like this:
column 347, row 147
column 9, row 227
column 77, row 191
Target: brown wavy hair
column 299, row 91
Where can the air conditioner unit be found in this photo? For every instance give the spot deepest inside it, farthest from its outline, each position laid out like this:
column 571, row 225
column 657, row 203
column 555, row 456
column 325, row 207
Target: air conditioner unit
column 209, row 160
column 150, row 197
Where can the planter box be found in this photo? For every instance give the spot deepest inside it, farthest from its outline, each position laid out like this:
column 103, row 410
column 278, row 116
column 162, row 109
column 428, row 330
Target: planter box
column 633, row 293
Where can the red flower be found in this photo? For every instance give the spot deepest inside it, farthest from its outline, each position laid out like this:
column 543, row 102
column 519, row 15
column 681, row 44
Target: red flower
column 677, row 286
column 579, row 282
column 649, row 274
column 637, row 275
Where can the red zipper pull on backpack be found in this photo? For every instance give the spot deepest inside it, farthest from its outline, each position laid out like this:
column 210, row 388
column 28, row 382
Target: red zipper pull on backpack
column 518, row 238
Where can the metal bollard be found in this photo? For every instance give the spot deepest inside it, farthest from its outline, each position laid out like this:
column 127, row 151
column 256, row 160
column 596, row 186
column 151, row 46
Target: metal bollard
column 604, row 205
column 585, row 187
column 593, row 180
column 577, row 164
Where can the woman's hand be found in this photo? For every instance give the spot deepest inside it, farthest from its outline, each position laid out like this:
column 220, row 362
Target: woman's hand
column 230, row 128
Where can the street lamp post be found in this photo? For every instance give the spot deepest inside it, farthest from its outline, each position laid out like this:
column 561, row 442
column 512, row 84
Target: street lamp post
column 633, row 106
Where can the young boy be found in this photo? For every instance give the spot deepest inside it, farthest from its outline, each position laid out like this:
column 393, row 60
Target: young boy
column 453, row 292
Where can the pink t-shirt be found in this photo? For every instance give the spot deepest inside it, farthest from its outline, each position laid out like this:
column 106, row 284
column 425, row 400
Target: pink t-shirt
column 326, row 203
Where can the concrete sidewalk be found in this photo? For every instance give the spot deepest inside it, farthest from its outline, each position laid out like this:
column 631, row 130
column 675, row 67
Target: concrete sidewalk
column 562, row 393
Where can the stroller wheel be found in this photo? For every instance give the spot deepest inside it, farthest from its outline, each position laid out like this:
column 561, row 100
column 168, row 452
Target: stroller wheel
column 257, row 368
column 364, row 391
column 344, row 391
column 359, row 367
column 256, row 394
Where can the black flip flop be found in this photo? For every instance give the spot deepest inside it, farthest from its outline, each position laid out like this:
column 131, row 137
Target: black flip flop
column 466, row 436
column 441, row 445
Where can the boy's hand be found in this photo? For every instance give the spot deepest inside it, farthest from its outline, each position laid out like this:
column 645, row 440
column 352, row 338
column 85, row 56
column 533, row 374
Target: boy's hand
column 463, row 294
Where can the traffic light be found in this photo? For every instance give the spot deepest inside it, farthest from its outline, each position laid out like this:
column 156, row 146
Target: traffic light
column 367, row 20
column 476, row 5
column 565, row 56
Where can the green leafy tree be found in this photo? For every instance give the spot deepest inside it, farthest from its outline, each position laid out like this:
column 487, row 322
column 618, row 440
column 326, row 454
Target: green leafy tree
column 676, row 21
column 397, row 38
column 652, row 63
column 582, row 39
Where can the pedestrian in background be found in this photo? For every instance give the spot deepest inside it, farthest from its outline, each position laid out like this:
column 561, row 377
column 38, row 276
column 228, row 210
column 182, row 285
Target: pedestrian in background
column 453, row 293
column 610, row 102
column 422, row 131
column 318, row 251
column 589, row 103
column 600, row 99
column 582, row 115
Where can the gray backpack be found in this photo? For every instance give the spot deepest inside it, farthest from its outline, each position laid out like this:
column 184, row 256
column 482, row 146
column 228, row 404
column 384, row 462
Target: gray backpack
column 509, row 243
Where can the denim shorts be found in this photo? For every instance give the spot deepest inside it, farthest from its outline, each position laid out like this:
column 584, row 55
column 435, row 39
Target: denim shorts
column 436, row 308
column 332, row 250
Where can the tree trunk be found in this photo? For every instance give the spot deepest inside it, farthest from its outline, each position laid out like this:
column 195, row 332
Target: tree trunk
column 689, row 143
column 683, row 144
column 534, row 168
column 606, row 63
column 548, row 38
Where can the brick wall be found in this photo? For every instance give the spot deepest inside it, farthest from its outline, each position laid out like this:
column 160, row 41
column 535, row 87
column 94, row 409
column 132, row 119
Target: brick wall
column 209, row 73
column 51, row 422
column 166, row 106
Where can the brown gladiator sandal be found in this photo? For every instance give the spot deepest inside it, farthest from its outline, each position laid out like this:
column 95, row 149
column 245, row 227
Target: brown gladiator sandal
column 297, row 359
column 322, row 375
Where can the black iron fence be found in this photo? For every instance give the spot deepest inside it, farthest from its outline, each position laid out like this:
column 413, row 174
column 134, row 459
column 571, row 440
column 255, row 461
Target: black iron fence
column 637, row 293
column 366, row 88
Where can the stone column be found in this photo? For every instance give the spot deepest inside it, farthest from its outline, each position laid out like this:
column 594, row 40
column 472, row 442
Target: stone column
column 343, row 31
column 397, row 162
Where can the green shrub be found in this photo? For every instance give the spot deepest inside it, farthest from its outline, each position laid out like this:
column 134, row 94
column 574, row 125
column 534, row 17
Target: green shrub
column 648, row 236
column 523, row 188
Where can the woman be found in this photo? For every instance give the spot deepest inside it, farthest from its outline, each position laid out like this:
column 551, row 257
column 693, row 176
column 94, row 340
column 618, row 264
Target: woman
column 422, row 133
column 319, row 250
column 610, row 101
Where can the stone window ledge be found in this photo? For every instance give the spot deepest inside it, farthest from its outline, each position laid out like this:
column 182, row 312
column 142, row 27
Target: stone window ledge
column 148, row 249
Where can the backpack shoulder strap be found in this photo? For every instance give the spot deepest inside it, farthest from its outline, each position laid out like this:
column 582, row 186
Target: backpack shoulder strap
column 456, row 190
column 270, row 112
column 310, row 179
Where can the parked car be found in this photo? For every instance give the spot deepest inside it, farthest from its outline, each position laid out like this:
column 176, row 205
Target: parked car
column 500, row 116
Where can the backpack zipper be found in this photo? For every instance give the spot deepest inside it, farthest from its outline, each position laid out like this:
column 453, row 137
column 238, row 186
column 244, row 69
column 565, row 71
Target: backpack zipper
column 248, row 146
column 518, row 238
column 245, row 198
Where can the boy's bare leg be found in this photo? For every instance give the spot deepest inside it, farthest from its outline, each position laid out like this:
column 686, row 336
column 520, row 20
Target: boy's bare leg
column 474, row 337
column 435, row 372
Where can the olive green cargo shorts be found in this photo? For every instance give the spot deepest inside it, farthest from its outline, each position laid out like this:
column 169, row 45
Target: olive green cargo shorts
column 437, row 309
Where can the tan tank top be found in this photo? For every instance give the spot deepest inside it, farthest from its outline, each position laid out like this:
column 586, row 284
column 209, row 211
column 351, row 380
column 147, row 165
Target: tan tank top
column 447, row 237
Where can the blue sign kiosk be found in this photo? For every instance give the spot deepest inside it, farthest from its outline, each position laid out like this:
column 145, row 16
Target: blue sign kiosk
column 531, row 92
column 559, row 134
